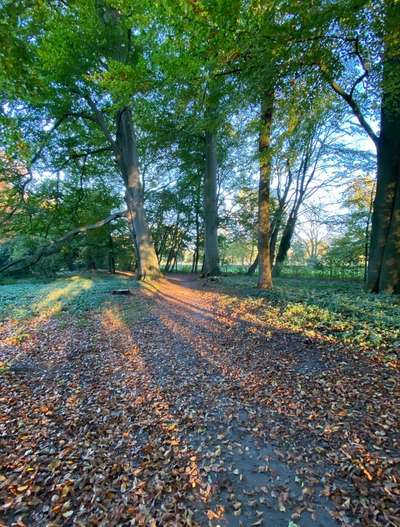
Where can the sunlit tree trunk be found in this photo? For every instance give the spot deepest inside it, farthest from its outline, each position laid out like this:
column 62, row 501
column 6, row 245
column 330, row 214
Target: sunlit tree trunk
column 211, row 262
column 264, row 257
column 147, row 262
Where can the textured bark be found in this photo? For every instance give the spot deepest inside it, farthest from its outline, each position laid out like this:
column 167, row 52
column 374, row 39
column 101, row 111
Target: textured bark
column 147, row 262
column 384, row 254
column 211, row 262
column 264, row 257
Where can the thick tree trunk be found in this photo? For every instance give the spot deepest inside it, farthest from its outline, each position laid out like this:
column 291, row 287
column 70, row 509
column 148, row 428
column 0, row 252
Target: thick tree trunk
column 384, row 254
column 211, row 262
column 274, row 231
column 264, row 257
column 147, row 262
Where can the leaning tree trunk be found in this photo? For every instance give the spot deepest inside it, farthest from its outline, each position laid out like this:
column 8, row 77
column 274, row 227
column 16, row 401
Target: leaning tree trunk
column 147, row 262
column 211, row 256
column 264, row 257
column 285, row 243
column 275, row 228
column 253, row 267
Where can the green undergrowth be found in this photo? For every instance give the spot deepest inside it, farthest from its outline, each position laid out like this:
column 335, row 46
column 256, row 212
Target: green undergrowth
column 75, row 294
column 337, row 309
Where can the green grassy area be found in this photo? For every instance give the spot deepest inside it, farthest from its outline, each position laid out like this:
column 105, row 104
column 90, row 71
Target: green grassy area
column 338, row 309
column 293, row 271
column 76, row 294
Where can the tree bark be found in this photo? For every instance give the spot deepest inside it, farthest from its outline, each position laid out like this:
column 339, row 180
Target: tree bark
column 211, row 262
column 195, row 261
column 252, row 269
column 285, row 243
column 111, row 256
column 264, row 257
column 384, row 255
column 147, row 262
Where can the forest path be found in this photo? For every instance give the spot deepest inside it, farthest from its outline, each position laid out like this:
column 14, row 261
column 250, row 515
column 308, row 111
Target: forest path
column 199, row 356
column 165, row 408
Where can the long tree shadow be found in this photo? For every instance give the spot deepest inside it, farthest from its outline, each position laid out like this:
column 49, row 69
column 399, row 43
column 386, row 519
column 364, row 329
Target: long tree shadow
column 96, row 429
column 185, row 362
column 161, row 408
column 324, row 421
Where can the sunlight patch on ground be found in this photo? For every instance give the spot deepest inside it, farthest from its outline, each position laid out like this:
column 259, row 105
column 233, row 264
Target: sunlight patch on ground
column 54, row 302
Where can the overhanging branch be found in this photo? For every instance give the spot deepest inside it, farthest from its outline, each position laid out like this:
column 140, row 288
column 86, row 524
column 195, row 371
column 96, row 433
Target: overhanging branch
column 55, row 246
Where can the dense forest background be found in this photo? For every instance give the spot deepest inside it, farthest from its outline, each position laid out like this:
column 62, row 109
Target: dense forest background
column 204, row 136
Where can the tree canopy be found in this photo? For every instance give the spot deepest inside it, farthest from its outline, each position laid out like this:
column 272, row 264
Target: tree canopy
column 178, row 111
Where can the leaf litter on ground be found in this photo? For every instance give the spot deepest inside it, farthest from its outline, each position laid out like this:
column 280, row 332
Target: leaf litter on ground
column 180, row 405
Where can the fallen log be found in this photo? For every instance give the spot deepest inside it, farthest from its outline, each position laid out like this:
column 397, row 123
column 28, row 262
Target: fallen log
column 121, row 292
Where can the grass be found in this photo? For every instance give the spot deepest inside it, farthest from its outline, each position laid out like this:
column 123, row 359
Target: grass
column 336, row 309
column 341, row 310
column 75, row 294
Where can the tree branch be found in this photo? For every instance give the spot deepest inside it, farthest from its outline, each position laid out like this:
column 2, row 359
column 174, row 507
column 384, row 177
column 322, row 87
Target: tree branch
column 348, row 97
column 98, row 117
column 55, row 246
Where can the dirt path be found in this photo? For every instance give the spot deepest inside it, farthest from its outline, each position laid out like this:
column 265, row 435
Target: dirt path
column 182, row 414
column 192, row 357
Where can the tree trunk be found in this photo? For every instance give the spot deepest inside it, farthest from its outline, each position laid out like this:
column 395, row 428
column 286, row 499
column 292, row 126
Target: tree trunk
column 161, row 246
column 264, row 258
column 211, row 262
column 252, row 269
column 174, row 241
column 147, row 262
column 196, row 251
column 384, row 254
column 275, row 228
column 285, row 243
column 111, row 257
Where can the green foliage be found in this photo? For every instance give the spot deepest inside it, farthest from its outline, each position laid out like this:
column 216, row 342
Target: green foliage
column 349, row 247
column 75, row 294
column 341, row 311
